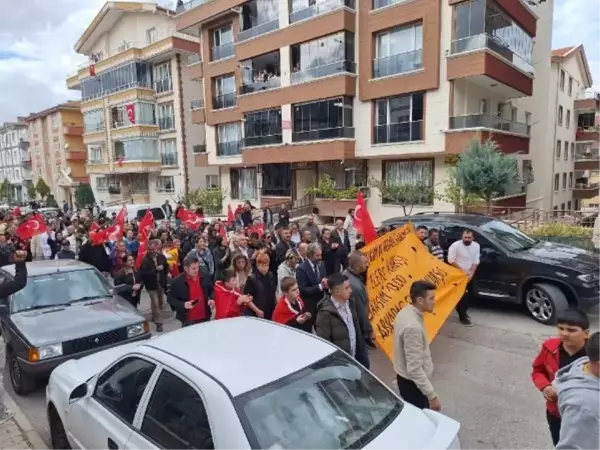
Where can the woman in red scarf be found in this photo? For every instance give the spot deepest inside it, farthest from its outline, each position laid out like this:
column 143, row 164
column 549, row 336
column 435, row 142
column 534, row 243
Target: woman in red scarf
column 290, row 307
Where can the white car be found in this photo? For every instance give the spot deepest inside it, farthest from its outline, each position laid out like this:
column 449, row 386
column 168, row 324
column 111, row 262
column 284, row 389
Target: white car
column 233, row 383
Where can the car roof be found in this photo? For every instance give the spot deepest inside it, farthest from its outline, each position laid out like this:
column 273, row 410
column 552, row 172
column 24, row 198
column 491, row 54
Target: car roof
column 474, row 220
column 244, row 353
column 35, row 268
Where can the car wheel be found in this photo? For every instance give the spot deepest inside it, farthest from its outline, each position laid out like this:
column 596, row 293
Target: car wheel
column 545, row 301
column 57, row 430
column 22, row 383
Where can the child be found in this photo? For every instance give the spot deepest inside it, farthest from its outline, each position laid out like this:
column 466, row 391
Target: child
column 290, row 307
column 556, row 353
column 229, row 301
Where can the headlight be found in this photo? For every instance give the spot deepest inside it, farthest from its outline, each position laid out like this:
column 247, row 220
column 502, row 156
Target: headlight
column 45, row 352
column 588, row 277
column 136, row 330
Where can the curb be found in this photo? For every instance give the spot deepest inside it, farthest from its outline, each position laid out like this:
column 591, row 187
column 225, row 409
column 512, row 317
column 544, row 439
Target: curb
column 32, row 436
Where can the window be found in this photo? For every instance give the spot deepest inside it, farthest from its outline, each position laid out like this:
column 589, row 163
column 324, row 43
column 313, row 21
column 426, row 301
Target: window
column 229, row 136
column 501, row 108
column 258, row 17
column 95, row 154
column 176, row 416
column 572, row 151
column 121, row 387
column 555, row 211
column 513, row 114
column 55, row 121
column 212, row 181
column 562, row 209
column 276, row 180
column 325, row 119
column 556, row 182
column 137, row 149
column 560, row 115
column 568, row 119
column 412, row 172
column 165, row 184
column 329, row 55
column 117, row 79
column 558, row 148
column 483, row 106
column 101, row 184
column 93, row 120
column 570, row 182
column 162, row 78
column 151, row 35
column 138, row 184
column 399, row 119
column 225, row 92
column 139, row 113
column 262, row 128
column 586, row 121
column 562, row 80
column 166, row 116
column 570, row 92
column 261, row 73
column 398, row 51
column 569, row 205
column 243, row 183
column 566, row 151
column 168, row 152
column 223, row 43
column 564, row 181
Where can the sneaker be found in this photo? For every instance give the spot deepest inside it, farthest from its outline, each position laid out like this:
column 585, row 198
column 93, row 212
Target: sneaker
column 466, row 321
column 159, row 328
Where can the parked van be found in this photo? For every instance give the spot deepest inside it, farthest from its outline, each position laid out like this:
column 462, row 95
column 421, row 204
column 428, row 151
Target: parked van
column 137, row 211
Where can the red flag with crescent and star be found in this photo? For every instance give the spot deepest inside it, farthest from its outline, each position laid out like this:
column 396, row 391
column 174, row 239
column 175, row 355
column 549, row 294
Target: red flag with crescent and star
column 32, row 227
column 130, row 112
column 115, row 232
column 94, row 227
column 143, row 248
column 362, row 220
column 190, row 218
column 230, row 216
column 146, row 225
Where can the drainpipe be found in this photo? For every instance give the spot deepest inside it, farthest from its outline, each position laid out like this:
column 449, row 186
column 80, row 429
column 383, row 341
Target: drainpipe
column 554, row 139
column 186, row 178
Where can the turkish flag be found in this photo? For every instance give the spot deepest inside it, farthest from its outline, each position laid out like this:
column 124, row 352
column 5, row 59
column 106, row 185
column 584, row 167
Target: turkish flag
column 258, row 228
column 146, row 225
column 190, row 218
column 94, row 227
column 362, row 220
column 120, row 161
column 130, row 112
column 99, row 237
column 32, row 227
column 92, row 70
column 115, row 232
column 143, row 248
column 230, row 216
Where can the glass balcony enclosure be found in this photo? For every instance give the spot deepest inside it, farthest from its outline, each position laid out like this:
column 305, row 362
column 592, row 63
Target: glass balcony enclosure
column 399, row 119
column 488, row 121
column 137, row 149
column 93, row 121
column 276, row 180
column 229, row 136
column 225, row 96
column 135, row 74
column 258, row 17
column 329, row 55
column 585, row 152
column 587, row 179
column 143, row 114
column 223, row 46
column 261, row 73
column 305, row 9
column 323, row 120
column 398, row 51
column 262, row 128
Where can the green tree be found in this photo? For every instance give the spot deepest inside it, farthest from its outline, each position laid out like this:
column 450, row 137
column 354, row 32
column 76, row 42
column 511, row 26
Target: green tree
column 5, row 190
column 211, row 200
column 42, row 188
column 51, row 201
column 485, row 172
column 456, row 195
column 84, row 195
column 404, row 195
column 327, row 189
column 31, row 192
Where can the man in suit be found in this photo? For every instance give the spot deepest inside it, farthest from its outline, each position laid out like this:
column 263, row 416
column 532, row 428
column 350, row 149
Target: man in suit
column 312, row 280
column 341, row 236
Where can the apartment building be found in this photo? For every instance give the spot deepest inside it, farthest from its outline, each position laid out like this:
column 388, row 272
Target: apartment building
column 56, row 152
column 15, row 161
column 139, row 148
column 361, row 90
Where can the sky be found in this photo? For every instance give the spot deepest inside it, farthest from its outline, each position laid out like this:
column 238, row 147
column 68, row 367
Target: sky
column 37, row 39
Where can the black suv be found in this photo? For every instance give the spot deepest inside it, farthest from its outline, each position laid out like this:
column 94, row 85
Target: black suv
column 546, row 277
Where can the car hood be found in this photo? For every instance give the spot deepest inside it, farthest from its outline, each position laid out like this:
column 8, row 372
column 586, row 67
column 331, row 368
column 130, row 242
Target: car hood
column 415, row 428
column 60, row 324
column 562, row 255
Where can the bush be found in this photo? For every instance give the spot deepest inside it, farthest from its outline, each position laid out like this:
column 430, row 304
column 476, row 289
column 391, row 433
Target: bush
column 327, row 189
column 555, row 229
column 211, row 200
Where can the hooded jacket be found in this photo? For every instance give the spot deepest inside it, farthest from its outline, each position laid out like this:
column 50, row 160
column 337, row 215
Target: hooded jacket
column 578, row 405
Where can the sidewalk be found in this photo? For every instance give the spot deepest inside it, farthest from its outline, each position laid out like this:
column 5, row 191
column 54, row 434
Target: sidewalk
column 16, row 431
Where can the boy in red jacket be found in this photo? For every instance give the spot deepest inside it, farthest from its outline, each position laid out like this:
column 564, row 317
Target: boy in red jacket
column 290, row 307
column 229, row 301
column 556, row 353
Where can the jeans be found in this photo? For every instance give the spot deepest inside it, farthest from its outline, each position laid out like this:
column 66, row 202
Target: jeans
column 410, row 393
column 554, row 425
column 157, row 299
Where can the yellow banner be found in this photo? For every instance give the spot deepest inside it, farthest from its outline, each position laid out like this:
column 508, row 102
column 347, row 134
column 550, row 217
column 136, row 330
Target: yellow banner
column 398, row 259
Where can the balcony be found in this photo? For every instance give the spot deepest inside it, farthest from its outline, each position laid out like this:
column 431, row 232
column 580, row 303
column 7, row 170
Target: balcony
column 587, row 184
column 223, row 101
column 222, row 51
column 512, row 189
column 261, row 141
column 73, row 130
column 333, row 68
column 196, row 105
column 198, row 149
column 198, row 115
column 486, row 121
column 258, row 30
column 485, row 56
column 24, row 144
column 232, row 148
column 75, row 156
column 383, row 3
column 586, row 157
column 398, row 64
column 319, row 8
column 166, row 123
column 163, row 86
column 257, row 86
column 25, row 159
column 398, row 132
column 323, row 134
column 194, row 58
column 168, row 159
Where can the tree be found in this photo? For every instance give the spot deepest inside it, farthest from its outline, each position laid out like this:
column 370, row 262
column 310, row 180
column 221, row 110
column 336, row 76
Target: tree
column 31, row 192
column 84, row 195
column 484, row 171
column 455, row 194
column 211, row 200
column 5, row 190
column 42, row 188
column 405, row 195
column 327, row 189
column 51, row 201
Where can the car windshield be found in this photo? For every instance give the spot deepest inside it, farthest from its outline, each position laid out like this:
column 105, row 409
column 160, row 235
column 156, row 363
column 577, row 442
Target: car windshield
column 334, row 403
column 508, row 237
column 156, row 212
column 60, row 288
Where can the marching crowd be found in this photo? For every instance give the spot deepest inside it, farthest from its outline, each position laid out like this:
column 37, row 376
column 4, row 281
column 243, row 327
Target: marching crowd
column 306, row 277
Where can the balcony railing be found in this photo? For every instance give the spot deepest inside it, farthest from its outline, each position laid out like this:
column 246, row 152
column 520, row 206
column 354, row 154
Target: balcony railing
column 482, row 41
column 257, row 30
column 323, row 134
column 257, row 141
column 231, row 148
column 323, row 71
column 196, row 105
column 222, row 51
column 166, row 123
column 93, row 127
column 321, row 7
column 198, row 149
column 189, row 5
column 396, row 64
column 26, row 157
column 587, row 185
column 516, row 188
column 92, row 161
column 271, row 83
column 168, row 159
column 485, row 121
column 164, row 85
column 398, row 132
column 194, row 58
column 587, row 154
column 383, row 3
column 276, row 192
column 126, row 123
column 228, row 100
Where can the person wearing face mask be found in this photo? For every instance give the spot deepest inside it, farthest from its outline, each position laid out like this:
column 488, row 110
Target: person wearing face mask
column 412, row 356
column 464, row 255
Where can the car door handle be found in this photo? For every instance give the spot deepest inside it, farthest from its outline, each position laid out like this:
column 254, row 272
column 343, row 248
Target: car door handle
column 112, row 445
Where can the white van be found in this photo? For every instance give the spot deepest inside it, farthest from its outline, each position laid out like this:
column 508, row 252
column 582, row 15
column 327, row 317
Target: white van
column 137, row 211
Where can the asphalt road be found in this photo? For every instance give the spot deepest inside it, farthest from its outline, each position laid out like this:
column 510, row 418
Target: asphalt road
column 481, row 375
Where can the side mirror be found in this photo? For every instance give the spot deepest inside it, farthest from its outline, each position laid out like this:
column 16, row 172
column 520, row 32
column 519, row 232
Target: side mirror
column 3, row 308
column 78, row 393
column 490, row 253
column 121, row 289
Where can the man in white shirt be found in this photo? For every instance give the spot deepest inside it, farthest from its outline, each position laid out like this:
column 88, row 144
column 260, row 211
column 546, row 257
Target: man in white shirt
column 464, row 255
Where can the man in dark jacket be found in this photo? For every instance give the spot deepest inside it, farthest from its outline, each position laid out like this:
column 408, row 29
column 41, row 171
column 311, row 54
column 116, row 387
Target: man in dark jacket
column 312, row 280
column 267, row 216
column 284, row 245
column 96, row 255
column 65, row 252
column 341, row 236
column 284, row 216
column 154, row 270
column 190, row 294
column 337, row 321
column 20, row 278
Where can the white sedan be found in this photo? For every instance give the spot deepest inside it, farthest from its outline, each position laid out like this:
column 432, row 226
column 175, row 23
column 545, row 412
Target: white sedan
column 233, row 383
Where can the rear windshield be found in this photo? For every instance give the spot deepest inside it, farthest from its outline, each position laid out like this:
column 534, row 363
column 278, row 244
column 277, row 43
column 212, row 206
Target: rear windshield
column 335, row 403
column 156, row 212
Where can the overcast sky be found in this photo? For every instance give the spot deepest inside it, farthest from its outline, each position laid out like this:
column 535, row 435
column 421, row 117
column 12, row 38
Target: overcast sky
column 37, row 39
